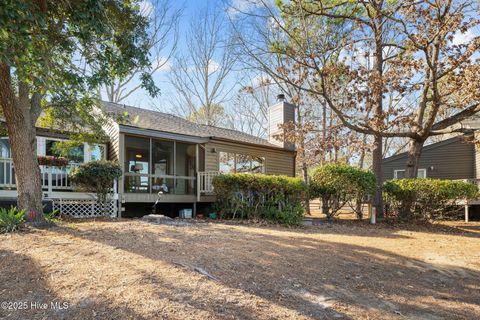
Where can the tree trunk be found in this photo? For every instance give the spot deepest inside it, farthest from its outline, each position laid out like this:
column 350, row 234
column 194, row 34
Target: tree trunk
column 377, row 171
column 305, row 178
column 377, row 96
column 411, row 170
column 414, row 153
column 324, row 133
column 20, row 122
column 326, row 208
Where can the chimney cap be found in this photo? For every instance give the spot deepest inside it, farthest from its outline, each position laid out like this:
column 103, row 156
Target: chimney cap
column 281, row 97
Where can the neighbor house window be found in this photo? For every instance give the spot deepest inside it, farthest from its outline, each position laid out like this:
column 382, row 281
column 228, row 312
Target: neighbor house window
column 400, row 174
column 240, row 163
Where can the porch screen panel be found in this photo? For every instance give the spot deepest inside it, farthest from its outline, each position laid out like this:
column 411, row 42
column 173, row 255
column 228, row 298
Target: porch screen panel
column 137, row 164
column 163, row 166
column 185, row 161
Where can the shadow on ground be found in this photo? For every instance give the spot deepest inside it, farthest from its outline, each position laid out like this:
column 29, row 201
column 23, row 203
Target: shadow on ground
column 30, row 293
column 316, row 278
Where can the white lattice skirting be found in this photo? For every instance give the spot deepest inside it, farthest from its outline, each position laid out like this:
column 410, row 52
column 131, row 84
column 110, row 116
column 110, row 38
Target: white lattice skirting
column 85, row 208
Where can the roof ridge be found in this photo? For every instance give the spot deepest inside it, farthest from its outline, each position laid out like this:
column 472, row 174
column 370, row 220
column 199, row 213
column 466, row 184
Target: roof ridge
column 200, row 125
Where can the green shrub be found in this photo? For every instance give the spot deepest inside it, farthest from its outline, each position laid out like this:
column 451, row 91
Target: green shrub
column 339, row 185
column 426, row 198
column 247, row 196
column 12, row 219
column 52, row 217
column 97, row 177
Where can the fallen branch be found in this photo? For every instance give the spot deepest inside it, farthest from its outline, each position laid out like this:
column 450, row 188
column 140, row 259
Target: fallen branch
column 196, row 269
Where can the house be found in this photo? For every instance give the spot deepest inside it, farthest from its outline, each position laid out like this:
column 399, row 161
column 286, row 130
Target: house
column 454, row 158
column 159, row 152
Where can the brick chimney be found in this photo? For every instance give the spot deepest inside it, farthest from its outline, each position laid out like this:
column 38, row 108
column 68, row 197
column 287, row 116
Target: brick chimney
column 280, row 113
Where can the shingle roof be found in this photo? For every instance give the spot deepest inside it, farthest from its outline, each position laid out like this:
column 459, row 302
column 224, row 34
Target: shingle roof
column 159, row 121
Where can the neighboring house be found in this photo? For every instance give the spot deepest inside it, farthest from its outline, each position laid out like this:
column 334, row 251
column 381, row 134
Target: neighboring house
column 163, row 152
column 455, row 158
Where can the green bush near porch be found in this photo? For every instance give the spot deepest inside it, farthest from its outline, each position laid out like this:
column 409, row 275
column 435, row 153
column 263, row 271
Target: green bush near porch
column 427, row 198
column 97, row 177
column 248, row 196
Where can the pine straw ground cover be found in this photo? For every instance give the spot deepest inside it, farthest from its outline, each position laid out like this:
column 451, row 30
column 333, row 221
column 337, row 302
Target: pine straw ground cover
column 350, row 270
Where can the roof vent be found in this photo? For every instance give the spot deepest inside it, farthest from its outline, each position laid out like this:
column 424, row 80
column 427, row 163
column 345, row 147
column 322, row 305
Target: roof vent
column 281, row 97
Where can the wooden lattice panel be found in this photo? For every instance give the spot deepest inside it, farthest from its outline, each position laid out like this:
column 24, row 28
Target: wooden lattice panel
column 85, row 208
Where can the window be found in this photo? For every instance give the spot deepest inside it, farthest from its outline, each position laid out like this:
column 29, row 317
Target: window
column 243, row 163
column 422, row 173
column 240, row 163
column 4, row 148
column 75, row 154
column 258, row 164
column 97, row 152
column 226, row 162
column 400, row 174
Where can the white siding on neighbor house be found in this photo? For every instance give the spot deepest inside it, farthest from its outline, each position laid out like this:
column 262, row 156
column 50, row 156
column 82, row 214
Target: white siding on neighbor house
column 277, row 162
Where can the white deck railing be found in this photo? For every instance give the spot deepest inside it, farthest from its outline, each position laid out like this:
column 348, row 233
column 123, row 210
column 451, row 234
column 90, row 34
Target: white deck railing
column 204, row 182
column 53, row 178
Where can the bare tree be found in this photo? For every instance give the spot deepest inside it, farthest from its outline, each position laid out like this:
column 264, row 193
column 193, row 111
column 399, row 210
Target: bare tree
column 164, row 21
column 387, row 69
column 200, row 74
column 249, row 108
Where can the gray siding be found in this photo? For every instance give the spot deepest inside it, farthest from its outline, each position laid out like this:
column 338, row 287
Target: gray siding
column 451, row 159
column 281, row 113
column 112, row 130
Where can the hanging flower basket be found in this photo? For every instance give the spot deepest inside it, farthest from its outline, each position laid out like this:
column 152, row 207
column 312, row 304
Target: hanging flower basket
column 52, row 161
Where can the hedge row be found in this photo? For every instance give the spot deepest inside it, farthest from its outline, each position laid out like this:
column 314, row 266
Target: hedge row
column 426, row 198
column 247, row 196
column 282, row 199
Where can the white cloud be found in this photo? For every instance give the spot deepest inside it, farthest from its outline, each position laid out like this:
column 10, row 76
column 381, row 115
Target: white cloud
column 238, row 7
column 146, row 8
column 463, row 37
column 165, row 65
column 213, row 66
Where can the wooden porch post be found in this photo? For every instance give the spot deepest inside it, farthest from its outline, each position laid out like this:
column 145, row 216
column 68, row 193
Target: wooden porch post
column 197, row 166
column 50, row 189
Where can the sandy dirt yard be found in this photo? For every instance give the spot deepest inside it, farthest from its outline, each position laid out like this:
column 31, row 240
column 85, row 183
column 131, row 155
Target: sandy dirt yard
column 130, row 269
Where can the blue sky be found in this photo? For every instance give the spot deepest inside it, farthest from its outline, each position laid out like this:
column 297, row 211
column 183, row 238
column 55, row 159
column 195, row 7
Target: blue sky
column 191, row 11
